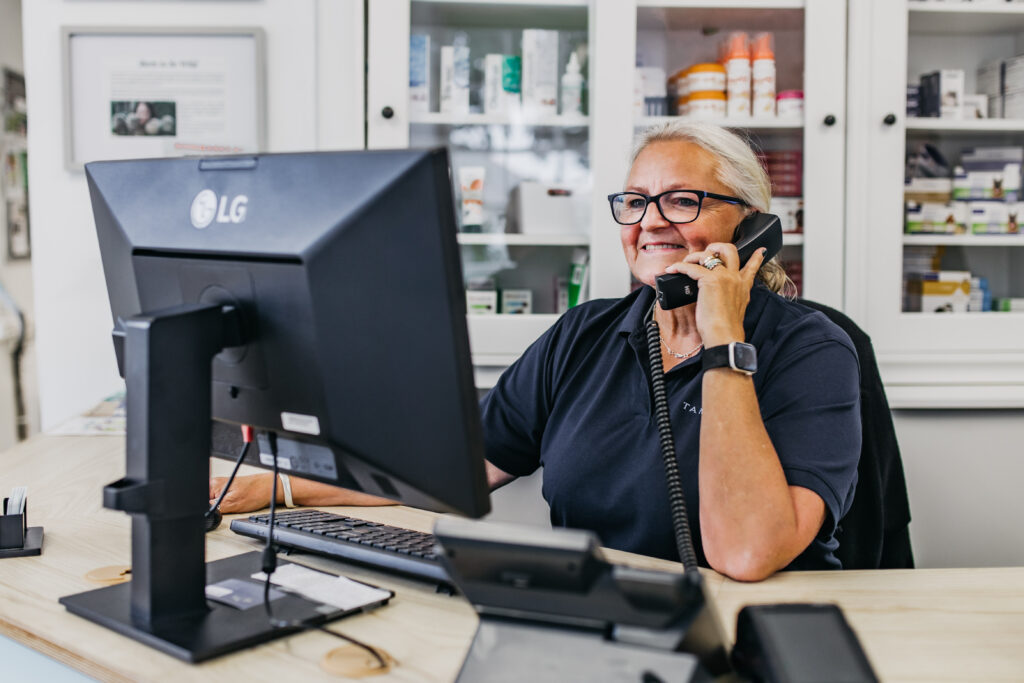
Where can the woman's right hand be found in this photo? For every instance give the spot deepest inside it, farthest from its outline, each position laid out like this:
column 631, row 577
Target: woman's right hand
column 247, row 493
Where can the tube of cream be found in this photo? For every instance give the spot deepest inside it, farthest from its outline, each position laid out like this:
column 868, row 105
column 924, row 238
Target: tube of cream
column 471, row 182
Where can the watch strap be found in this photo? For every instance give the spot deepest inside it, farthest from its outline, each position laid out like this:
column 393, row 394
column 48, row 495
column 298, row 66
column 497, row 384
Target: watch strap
column 723, row 356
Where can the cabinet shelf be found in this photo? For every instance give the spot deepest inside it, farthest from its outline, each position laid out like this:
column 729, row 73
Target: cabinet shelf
column 445, row 119
column 965, row 240
column 746, row 123
column 942, row 18
column 516, row 239
column 966, row 125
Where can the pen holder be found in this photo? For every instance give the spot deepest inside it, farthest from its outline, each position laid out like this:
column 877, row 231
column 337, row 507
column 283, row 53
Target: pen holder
column 17, row 539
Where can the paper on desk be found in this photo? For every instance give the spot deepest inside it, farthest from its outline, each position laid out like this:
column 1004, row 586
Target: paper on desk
column 337, row 591
column 16, row 501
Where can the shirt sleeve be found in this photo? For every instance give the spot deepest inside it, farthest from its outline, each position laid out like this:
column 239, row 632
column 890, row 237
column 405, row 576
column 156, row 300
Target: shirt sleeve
column 515, row 412
column 810, row 402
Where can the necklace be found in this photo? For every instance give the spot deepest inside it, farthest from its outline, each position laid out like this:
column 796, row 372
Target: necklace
column 681, row 356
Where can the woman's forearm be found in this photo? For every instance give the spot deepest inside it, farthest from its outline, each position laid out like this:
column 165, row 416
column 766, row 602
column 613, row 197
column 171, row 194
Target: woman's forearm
column 753, row 523
column 308, row 492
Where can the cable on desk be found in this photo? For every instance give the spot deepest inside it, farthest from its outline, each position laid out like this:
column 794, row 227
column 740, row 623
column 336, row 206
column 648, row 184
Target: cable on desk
column 247, row 439
column 270, row 564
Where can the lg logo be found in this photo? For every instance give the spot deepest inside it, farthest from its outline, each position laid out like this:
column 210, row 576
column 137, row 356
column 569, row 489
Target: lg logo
column 206, row 207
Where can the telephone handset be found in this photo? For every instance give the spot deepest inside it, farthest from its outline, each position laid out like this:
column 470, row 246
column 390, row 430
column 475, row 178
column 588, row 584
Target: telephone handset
column 755, row 231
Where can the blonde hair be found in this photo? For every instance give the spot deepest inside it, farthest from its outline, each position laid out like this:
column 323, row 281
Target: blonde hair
column 737, row 167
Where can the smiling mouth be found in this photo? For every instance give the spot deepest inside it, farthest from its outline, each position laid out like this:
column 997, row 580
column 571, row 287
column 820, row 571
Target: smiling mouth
column 660, row 247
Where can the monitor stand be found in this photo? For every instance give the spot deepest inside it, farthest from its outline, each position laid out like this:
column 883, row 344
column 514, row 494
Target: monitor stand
column 167, row 367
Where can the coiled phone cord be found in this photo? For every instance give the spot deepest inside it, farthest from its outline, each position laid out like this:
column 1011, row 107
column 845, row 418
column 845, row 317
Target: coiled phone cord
column 676, row 498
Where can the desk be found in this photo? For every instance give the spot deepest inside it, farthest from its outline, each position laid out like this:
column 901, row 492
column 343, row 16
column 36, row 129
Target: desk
column 916, row 625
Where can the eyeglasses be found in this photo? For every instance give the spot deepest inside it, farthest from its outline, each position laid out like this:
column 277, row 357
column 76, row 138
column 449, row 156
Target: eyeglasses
column 676, row 206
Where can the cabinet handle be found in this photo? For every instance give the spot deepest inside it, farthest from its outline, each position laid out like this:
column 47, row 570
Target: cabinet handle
column 889, row 119
column 830, row 120
column 387, row 112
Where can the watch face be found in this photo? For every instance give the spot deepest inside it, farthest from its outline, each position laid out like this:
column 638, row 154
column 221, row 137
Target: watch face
column 745, row 357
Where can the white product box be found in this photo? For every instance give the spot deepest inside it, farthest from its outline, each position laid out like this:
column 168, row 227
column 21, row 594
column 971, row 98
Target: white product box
column 1013, row 74
column 929, row 217
column 481, row 302
column 990, row 78
column 455, row 79
column 975, row 106
column 790, row 211
column 951, row 93
column 517, row 301
column 540, row 72
column 996, row 218
column 949, row 293
column 988, row 173
column 494, row 95
column 538, row 209
column 995, row 106
column 1013, row 105
column 419, row 73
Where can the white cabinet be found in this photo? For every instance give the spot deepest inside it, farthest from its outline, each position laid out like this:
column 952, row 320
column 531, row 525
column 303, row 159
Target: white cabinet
column 588, row 154
column 928, row 358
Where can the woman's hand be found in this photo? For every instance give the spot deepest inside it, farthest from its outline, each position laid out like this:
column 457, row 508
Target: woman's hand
column 247, row 493
column 723, row 292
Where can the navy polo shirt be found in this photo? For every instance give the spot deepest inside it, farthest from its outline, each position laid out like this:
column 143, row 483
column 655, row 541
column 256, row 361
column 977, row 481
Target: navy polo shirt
column 579, row 404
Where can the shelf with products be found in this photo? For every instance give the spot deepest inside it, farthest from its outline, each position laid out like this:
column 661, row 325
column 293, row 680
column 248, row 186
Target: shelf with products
column 516, row 239
column 932, row 267
column 681, row 42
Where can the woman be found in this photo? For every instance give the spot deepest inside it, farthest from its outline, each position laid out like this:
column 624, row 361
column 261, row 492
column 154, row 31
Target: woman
column 768, row 461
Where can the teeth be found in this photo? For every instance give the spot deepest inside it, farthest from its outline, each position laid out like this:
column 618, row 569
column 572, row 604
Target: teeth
column 658, row 247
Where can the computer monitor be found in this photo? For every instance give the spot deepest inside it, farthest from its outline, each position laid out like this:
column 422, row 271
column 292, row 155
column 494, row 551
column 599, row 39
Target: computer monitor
column 317, row 297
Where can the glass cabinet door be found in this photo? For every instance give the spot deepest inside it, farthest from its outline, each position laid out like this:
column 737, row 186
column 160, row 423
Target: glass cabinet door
column 774, row 72
column 504, row 86
column 939, row 270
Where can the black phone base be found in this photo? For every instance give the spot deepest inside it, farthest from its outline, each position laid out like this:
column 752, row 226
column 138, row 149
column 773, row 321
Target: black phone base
column 216, row 631
column 501, row 644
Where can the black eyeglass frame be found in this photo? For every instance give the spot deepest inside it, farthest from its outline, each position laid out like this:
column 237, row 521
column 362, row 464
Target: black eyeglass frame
column 656, row 200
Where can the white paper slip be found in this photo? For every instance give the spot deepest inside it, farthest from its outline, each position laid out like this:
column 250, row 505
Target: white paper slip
column 16, row 501
column 337, row 591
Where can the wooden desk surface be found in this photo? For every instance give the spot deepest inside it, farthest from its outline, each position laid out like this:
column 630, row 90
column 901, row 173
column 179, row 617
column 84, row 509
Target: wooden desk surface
column 916, row 625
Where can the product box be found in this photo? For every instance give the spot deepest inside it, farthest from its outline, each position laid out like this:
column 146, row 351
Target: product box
column 481, row 301
column 517, row 301
column 990, row 78
column 1013, row 105
column 933, row 190
column 975, row 106
column 790, row 211
column 419, row 73
column 988, row 173
column 540, row 72
column 934, row 218
column 995, row 106
column 942, row 93
column 913, row 100
column 1013, row 75
column 538, row 209
column 494, row 94
column 950, row 292
column 944, row 291
column 995, row 218
column 1008, row 304
column 455, row 79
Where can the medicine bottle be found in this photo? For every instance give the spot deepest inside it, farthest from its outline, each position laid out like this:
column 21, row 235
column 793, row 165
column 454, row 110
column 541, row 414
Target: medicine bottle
column 737, row 73
column 763, row 70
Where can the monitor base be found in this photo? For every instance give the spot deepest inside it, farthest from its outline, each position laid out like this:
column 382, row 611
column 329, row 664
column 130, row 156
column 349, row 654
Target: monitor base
column 221, row 630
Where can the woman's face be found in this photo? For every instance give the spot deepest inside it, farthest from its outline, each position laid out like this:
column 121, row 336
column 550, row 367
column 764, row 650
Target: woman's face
column 142, row 111
column 653, row 244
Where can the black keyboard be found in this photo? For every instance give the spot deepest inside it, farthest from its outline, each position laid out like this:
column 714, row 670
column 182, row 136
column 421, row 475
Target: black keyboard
column 380, row 546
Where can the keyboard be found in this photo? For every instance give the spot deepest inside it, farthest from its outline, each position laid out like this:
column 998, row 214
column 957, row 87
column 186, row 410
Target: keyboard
column 388, row 548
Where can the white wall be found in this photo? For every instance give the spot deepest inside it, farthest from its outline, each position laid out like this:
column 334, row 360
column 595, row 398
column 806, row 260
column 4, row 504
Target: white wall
column 965, row 474
column 314, row 101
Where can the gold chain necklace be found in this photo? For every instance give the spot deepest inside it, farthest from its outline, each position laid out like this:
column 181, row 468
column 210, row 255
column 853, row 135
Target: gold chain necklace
column 681, row 356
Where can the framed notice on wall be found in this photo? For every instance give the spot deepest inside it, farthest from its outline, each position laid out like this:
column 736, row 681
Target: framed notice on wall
column 156, row 92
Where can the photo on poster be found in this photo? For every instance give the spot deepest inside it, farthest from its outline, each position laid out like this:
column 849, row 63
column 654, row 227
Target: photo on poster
column 130, row 117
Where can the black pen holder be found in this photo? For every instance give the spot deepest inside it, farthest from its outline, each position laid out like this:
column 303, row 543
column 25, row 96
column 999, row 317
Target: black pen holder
column 17, row 539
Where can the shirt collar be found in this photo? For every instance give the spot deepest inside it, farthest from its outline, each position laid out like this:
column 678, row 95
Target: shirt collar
column 634, row 318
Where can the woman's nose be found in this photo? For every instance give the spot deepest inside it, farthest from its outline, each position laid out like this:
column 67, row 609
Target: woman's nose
column 653, row 220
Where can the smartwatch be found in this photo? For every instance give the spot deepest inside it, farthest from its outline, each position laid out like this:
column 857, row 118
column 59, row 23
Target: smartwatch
column 739, row 356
